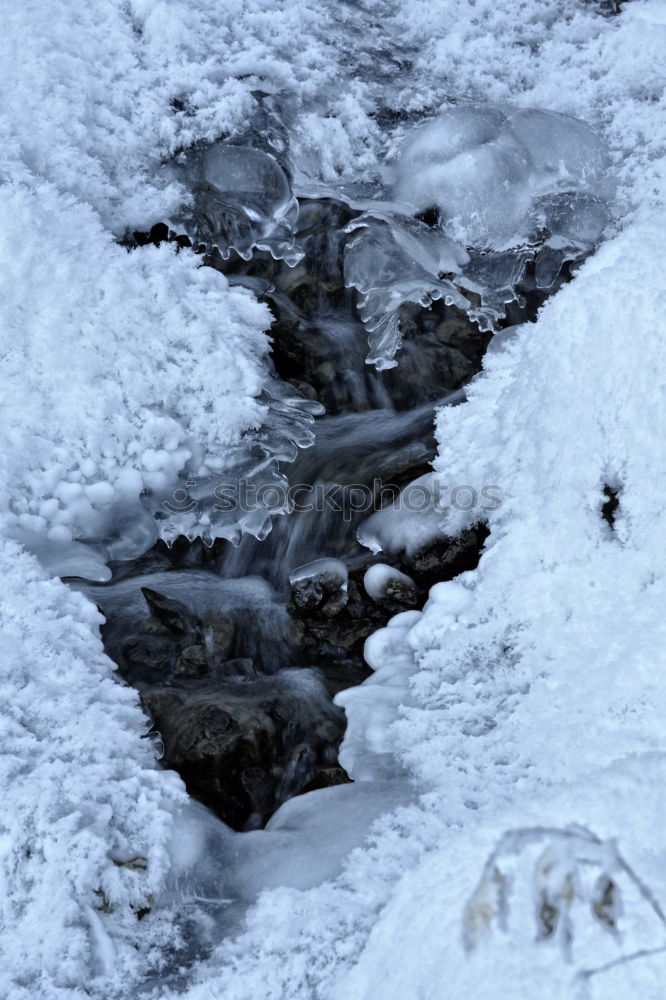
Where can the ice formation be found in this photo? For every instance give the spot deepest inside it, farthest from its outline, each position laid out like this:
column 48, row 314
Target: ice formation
column 482, row 192
column 483, row 168
column 243, row 201
column 412, row 520
column 371, row 708
column 379, row 578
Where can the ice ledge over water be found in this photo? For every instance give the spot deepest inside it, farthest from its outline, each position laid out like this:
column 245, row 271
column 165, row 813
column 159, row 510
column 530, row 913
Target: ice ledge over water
column 480, row 195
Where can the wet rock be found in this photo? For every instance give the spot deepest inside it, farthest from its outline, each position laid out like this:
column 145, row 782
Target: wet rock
column 445, row 558
column 389, row 586
column 335, row 644
column 244, row 745
column 320, row 586
column 327, row 778
column 173, row 642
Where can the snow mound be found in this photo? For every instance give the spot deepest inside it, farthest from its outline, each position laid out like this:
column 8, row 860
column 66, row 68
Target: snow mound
column 120, row 381
column 86, row 815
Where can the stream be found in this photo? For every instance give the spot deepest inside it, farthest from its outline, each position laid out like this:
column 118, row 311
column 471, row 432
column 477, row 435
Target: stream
column 239, row 639
column 238, row 651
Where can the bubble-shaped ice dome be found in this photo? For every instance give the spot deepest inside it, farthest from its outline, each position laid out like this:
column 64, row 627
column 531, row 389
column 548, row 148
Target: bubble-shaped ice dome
column 479, row 194
column 483, row 168
column 244, row 201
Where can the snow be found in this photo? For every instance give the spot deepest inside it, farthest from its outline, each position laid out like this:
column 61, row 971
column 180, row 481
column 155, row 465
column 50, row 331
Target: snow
column 526, row 697
column 86, row 815
column 379, row 576
column 136, row 403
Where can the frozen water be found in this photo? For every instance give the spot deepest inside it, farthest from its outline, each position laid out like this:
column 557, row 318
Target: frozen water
column 482, row 167
column 67, row 558
column 372, row 707
column 378, row 577
column 397, row 528
column 391, row 262
column 304, row 844
column 329, row 570
column 243, row 201
column 241, row 493
column 500, row 187
column 473, row 170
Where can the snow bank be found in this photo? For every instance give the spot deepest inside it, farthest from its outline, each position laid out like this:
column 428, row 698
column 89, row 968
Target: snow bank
column 121, row 372
column 86, row 815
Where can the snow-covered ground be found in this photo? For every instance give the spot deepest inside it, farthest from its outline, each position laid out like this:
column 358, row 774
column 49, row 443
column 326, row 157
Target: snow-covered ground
column 528, row 695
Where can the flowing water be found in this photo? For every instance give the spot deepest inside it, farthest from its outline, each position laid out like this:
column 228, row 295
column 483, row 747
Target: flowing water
column 240, row 625
column 237, row 651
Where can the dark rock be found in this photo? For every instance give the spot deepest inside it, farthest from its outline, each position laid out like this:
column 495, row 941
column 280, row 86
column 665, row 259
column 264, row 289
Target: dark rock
column 400, row 595
column 245, row 745
column 447, row 557
column 327, row 778
column 175, row 643
column 610, row 506
column 321, row 588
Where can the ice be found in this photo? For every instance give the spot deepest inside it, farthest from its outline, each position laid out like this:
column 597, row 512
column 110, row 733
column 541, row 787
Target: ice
column 502, row 187
column 374, row 705
column 304, row 844
column 413, row 520
column 397, row 261
column 308, row 839
column 483, row 167
column 242, row 490
column 474, row 170
column 380, row 576
column 502, row 339
column 244, row 201
column 67, row 558
column 450, row 597
column 320, row 582
column 333, row 570
column 564, row 154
